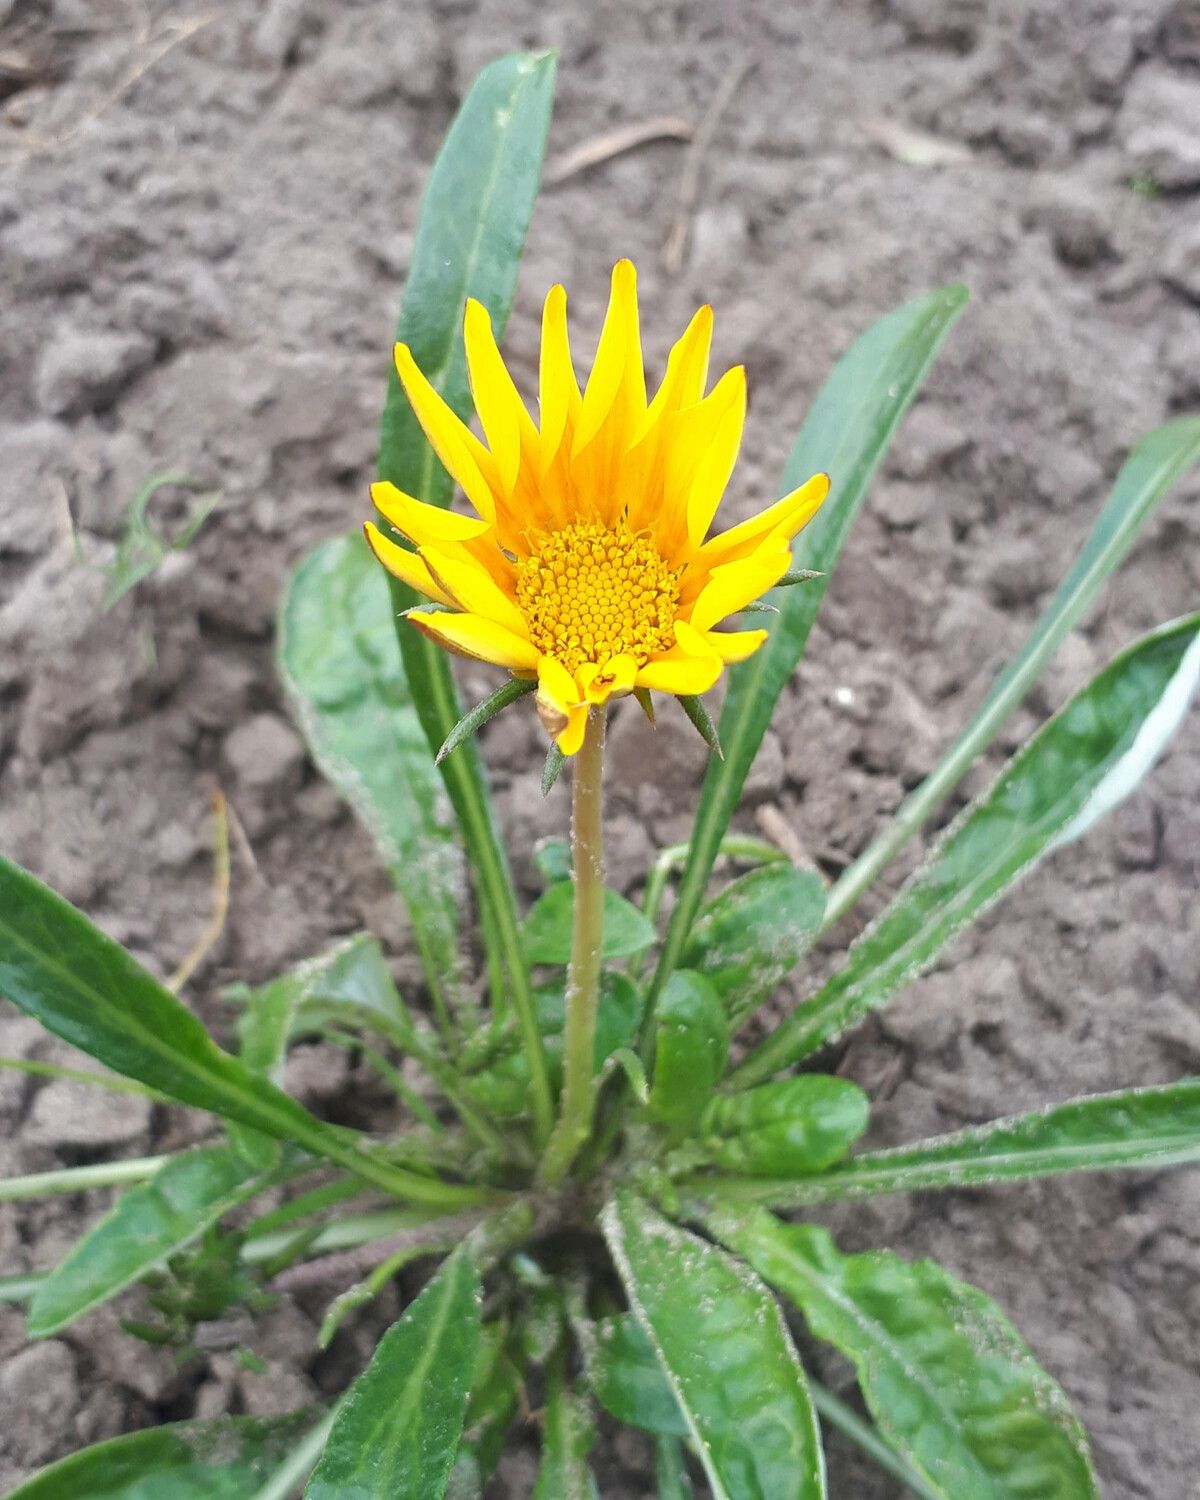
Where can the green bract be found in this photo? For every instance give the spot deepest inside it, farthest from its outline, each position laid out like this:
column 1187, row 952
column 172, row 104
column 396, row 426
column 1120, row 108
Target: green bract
column 592, row 1157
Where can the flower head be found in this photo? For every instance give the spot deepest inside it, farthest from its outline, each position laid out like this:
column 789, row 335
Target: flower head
column 587, row 562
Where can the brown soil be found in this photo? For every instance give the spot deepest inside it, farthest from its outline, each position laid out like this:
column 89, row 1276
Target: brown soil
column 202, row 277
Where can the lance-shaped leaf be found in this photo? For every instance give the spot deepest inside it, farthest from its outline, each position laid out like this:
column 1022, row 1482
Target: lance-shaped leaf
column 474, row 720
column 1146, row 476
column 690, row 1050
column 947, row 1378
column 726, row 1351
column 62, row 970
column 340, row 663
column 626, row 1377
column 397, row 1432
column 474, row 216
column 793, row 1125
column 227, row 1458
column 546, row 931
column 566, row 1440
column 191, row 1192
column 1080, row 765
column 756, row 931
column 846, row 434
column 1136, row 1129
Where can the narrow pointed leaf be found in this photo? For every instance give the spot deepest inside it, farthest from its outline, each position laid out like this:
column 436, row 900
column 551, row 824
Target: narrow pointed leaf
column 494, row 703
column 1082, row 763
column 227, row 1458
column 555, row 761
column 59, row 968
column 1135, row 1129
column 697, row 711
column 1148, row 474
column 846, row 434
column 726, row 1351
column 949, row 1381
column 398, row 1430
column 340, row 663
column 754, row 933
column 470, row 235
column 191, row 1192
column 669, row 1472
column 566, row 1441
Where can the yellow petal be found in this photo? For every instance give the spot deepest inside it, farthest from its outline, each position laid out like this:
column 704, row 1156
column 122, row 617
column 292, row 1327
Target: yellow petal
column 454, row 443
column 683, row 385
column 687, row 437
column 556, row 685
column 735, row 645
column 406, row 566
column 733, row 585
column 507, row 424
column 614, row 404
column 473, row 589
column 570, row 741
column 788, row 516
column 422, row 523
column 472, row 635
column 681, row 674
column 559, row 390
column 618, row 369
column 614, row 679
column 714, row 469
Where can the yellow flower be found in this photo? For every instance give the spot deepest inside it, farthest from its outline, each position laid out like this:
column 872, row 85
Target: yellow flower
column 586, row 563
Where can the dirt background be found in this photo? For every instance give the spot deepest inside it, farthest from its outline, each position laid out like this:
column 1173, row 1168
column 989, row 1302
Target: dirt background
column 202, row 253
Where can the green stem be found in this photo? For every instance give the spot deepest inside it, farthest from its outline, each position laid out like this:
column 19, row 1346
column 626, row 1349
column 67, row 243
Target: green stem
column 587, row 938
column 84, row 1075
column 76, row 1179
column 851, row 1425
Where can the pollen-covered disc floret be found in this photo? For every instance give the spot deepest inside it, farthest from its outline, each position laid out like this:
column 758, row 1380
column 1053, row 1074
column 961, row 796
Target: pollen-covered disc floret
column 590, row 593
column 587, row 563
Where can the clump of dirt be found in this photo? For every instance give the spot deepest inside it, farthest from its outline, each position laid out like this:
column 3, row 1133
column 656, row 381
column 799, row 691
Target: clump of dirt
column 204, row 232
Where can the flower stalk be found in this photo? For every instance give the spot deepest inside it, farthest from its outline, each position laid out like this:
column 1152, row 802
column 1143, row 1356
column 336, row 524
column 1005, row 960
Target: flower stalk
column 587, row 938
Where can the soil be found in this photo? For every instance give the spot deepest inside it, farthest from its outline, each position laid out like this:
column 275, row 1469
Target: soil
column 203, row 247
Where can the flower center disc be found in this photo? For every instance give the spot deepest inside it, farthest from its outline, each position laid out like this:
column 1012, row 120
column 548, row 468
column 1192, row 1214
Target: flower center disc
column 590, row 594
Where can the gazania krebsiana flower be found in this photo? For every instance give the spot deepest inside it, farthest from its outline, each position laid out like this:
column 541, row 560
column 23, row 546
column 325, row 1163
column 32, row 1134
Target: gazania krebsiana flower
column 586, row 563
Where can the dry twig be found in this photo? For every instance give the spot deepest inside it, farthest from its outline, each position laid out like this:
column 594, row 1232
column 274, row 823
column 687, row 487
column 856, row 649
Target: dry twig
column 220, row 897
column 689, row 181
column 149, row 48
column 603, row 147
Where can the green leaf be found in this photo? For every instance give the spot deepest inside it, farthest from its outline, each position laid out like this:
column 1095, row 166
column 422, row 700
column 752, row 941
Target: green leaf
column 494, row 703
column 546, row 931
column 60, row 969
column 754, row 933
column 726, row 1351
column 846, row 435
column 669, row 1472
column 227, row 1458
column 470, row 235
column 626, row 1377
column 142, row 546
column 692, row 1043
column 697, row 711
column 1137, row 1129
column 791, row 1126
column 553, row 859
column 340, row 663
column 496, row 1393
column 1081, row 764
column 566, row 1441
column 148, row 1223
column 947, row 1378
column 398, row 1430
column 1147, row 475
